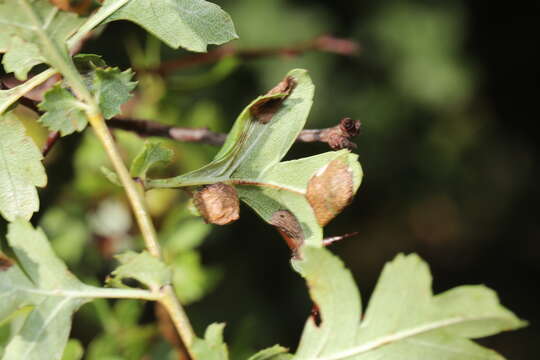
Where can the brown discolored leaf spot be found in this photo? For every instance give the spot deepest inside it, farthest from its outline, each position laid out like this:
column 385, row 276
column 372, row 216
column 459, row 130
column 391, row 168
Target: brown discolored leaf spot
column 288, row 226
column 218, row 203
column 5, row 262
column 330, row 191
column 264, row 109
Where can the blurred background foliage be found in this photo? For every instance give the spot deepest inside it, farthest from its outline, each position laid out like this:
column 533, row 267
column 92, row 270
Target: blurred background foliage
column 446, row 95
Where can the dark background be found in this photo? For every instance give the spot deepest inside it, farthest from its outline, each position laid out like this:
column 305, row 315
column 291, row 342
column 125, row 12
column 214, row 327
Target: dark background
column 450, row 173
column 448, row 99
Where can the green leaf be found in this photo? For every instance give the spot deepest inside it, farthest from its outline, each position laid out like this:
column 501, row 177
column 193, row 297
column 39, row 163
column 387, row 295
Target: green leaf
column 44, row 283
column 64, row 113
column 403, row 320
column 74, row 350
column 142, row 267
column 88, row 62
column 112, row 88
column 41, row 282
column 249, row 160
column 34, row 32
column 152, row 153
column 212, row 346
column 191, row 24
column 110, row 175
column 20, row 170
column 276, row 352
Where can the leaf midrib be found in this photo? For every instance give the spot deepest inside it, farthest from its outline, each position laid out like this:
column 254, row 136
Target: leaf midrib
column 50, row 318
column 402, row 335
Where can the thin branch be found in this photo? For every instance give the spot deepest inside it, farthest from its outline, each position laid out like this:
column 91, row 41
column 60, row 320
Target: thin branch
column 35, row 87
column 337, row 137
column 144, row 220
column 323, row 43
column 51, row 140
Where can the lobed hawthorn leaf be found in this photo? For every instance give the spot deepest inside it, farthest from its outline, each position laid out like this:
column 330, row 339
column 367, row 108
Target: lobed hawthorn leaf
column 151, row 154
column 276, row 352
column 110, row 87
column 142, row 267
column 20, row 170
column 43, row 283
column 22, row 40
column 40, row 284
column 63, row 112
column 403, row 320
column 212, row 346
column 191, row 24
column 279, row 192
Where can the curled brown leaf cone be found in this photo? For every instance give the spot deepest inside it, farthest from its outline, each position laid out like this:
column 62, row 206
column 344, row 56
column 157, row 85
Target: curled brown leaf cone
column 330, row 190
column 218, row 203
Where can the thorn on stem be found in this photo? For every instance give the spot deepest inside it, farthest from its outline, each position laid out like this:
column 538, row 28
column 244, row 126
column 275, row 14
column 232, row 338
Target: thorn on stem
column 330, row 240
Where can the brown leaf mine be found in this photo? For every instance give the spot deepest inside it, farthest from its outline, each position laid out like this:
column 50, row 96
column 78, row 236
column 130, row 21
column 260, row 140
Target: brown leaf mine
column 218, row 203
column 330, row 191
column 5, row 262
column 264, row 109
column 288, row 226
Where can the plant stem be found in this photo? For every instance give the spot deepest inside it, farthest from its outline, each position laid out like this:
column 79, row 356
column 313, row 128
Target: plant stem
column 17, row 92
column 61, row 61
column 135, row 198
column 96, row 19
column 338, row 136
column 178, row 317
column 168, row 298
column 99, row 293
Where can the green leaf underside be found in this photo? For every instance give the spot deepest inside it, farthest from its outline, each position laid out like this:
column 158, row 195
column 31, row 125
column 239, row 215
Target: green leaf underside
column 41, row 282
column 191, row 24
column 250, row 157
column 64, row 113
column 45, row 285
column 212, row 346
column 32, row 37
column 20, row 170
column 152, row 153
column 403, row 320
column 142, row 267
